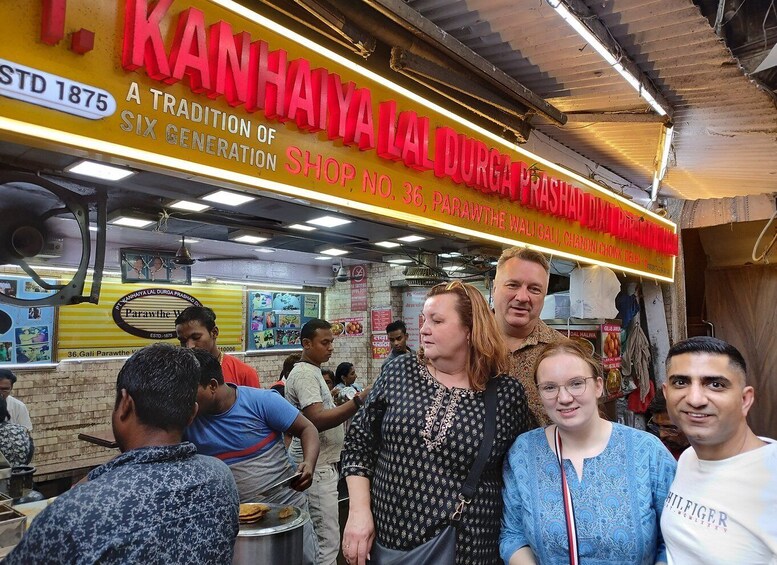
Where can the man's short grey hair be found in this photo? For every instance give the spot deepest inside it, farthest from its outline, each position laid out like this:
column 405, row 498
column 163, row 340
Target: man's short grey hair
column 525, row 254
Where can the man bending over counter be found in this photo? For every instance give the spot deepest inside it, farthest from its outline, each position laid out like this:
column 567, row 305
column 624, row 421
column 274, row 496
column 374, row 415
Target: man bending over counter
column 196, row 327
column 157, row 502
column 244, row 427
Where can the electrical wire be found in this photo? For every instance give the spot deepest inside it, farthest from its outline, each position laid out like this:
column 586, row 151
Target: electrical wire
column 758, row 241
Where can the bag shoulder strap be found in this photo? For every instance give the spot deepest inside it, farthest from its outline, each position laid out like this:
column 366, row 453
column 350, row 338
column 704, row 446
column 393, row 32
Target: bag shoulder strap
column 468, row 490
column 569, row 508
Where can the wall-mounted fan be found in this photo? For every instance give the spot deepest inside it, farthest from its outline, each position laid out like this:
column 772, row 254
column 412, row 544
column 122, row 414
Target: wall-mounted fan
column 29, row 204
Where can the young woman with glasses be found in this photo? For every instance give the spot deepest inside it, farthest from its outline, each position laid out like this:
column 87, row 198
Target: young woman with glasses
column 615, row 478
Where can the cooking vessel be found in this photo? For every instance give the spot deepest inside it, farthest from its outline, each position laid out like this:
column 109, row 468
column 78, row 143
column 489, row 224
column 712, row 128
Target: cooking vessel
column 272, row 540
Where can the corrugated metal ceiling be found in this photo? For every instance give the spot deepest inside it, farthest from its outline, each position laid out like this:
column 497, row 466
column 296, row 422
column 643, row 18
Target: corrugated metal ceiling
column 725, row 126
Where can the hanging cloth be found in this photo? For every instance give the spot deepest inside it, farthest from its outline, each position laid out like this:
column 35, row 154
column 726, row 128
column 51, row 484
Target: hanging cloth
column 636, row 358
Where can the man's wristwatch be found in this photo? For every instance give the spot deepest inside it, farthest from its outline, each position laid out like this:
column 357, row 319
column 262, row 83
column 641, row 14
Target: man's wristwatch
column 358, row 400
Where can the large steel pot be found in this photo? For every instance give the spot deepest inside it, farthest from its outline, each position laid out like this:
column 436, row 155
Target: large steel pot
column 272, row 540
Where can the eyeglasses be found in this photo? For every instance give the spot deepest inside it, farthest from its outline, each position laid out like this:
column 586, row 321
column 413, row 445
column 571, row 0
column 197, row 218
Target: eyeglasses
column 666, row 428
column 575, row 387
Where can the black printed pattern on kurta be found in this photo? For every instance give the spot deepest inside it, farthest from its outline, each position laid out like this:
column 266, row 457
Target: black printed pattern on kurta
column 15, row 443
column 418, row 456
column 153, row 505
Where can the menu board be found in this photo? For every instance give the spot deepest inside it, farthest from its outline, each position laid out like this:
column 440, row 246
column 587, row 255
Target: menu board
column 275, row 319
column 26, row 332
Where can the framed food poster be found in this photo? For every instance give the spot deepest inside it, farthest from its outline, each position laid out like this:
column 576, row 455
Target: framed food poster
column 26, row 332
column 275, row 319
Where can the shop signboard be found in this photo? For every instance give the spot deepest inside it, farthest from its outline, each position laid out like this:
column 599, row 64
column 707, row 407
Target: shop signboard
column 412, row 306
column 348, row 327
column 215, row 91
column 131, row 316
column 381, row 347
column 275, row 319
column 27, row 333
column 358, row 276
column 379, row 319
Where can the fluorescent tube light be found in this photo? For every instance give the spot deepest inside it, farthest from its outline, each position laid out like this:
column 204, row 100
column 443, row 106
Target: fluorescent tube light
column 387, row 244
column 663, row 163
column 599, row 47
column 301, row 227
column 411, row 238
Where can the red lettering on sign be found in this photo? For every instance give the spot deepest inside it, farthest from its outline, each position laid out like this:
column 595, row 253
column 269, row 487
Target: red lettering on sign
column 229, row 63
column 143, row 44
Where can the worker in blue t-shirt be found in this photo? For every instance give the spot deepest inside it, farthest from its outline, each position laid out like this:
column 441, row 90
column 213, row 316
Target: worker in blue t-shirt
column 244, row 427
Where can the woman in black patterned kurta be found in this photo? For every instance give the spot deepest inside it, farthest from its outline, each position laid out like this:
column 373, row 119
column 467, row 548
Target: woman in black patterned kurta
column 411, row 447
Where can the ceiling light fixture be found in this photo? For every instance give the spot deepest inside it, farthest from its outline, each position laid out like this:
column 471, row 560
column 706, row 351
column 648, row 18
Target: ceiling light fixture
column 664, row 146
column 245, row 236
column 264, row 250
column 411, row 238
column 387, row 244
column 301, row 227
column 397, row 259
column 228, row 198
column 615, row 62
column 188, row 205
column 322, row 258
column 453, row 268
column 333, row 251
column 450, row 255
column 99, row 171
column 328, row 221
column 130, row 220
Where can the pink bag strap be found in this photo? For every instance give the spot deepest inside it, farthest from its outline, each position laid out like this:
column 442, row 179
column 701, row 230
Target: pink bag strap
column 569, row 509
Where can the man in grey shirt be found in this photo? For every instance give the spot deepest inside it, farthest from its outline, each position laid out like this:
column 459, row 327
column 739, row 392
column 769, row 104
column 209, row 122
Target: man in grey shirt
column 307, row 391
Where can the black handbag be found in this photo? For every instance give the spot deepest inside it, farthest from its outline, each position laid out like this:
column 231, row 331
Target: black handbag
column 441, row 549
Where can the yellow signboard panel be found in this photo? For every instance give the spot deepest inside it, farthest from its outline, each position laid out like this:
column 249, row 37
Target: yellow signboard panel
column 130, row 316
column 210, row 89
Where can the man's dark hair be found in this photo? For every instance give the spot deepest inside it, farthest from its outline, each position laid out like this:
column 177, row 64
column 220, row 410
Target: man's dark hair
column 658, row 404
column 706, row 344
column 329, row 372
column 201, row 314
column 210, row 368
column 396, row 325
column 4, row 415
column 162, row 380
column 6, row 374
column 310, row 327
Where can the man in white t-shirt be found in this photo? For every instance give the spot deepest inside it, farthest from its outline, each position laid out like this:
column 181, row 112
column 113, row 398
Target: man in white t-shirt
column 722, row 507
column 16, row 408
column 307, row 391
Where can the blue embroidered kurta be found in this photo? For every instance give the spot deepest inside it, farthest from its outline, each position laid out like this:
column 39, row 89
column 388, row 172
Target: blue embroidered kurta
column 154, row 505
column 617, row 504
